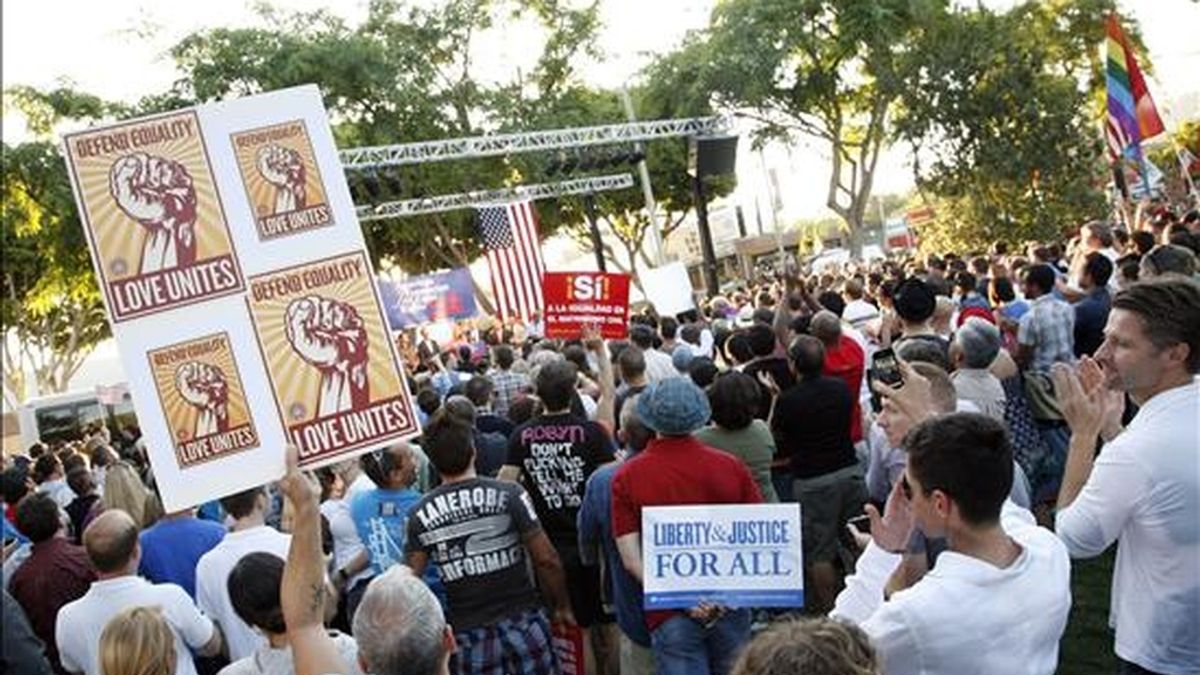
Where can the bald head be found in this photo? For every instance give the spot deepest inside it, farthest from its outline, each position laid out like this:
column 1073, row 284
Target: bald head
column 111, row 541
column 826, row 327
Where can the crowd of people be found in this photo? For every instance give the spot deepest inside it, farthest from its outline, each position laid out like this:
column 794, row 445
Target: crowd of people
column 992, row 416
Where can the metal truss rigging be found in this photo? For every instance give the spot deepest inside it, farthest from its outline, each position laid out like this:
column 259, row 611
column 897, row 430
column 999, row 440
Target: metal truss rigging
column 464, row 200
column 359, row 159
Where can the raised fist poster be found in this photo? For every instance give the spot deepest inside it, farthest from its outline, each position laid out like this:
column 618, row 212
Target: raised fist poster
column 282, row 180
column 182, row 211
column 202, row 397
column 329, row 358
column 153, row 216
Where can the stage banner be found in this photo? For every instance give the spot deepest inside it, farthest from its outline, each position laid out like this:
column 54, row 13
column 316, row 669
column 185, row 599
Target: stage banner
column 182, row 212
column 428, row 298
column 574, row 299
column 737, row 555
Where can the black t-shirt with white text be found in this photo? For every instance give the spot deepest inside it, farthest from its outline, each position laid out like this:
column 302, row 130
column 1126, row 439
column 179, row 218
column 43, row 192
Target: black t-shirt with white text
column 474, row 530
column 556, row 455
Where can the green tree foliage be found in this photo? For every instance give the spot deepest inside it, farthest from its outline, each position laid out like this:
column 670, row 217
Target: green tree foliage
column 830, row 69
column 997, row 112
column 51, row 314
column 405, row 74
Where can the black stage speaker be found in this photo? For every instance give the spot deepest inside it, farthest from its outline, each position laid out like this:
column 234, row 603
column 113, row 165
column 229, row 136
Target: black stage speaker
column 711, row 155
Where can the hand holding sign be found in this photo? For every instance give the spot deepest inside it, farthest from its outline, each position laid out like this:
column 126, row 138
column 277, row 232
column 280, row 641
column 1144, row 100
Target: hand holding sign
column 331, row 336
column 158, row 194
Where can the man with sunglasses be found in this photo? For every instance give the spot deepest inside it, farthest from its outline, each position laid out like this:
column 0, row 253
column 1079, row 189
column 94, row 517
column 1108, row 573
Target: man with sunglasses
column 997, row 599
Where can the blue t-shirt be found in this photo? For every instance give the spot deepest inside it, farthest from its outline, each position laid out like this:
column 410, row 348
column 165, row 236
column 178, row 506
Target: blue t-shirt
column 381, row 518
column 171, row 549
column 595, row 528
column 11, row 532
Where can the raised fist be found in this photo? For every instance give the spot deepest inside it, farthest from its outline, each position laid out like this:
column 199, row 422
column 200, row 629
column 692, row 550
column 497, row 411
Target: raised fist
column 331, row 336
column 283, row 168
column 203, row 386
column 158, row 193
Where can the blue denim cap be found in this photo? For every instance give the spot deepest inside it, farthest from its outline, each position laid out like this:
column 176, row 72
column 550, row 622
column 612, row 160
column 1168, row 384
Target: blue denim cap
column 674, row 407
column 682, row 357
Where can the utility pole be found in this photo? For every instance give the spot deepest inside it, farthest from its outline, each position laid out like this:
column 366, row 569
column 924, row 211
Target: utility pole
column 644, row 174
column 771, row 201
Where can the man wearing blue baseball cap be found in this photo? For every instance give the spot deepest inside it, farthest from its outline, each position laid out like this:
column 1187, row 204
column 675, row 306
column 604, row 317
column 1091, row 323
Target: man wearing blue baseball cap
column 676, row 469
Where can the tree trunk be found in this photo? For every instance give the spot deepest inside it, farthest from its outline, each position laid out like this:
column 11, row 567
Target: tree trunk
column 855, row 239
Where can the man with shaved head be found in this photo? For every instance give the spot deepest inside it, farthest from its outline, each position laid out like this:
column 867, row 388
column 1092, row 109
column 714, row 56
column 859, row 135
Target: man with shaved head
column 845, row 360
column 112, row 545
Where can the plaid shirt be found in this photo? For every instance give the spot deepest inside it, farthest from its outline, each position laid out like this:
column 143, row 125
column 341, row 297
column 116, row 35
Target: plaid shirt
column 519, row 644
column 1049, row 328
column 508, row 384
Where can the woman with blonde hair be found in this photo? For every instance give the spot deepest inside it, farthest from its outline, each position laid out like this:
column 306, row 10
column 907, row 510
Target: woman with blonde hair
column 138, row 641
column 124, row 490
column 818, row 646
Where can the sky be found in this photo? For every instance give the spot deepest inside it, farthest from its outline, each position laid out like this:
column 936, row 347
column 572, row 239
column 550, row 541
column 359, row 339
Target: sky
column 119, row 52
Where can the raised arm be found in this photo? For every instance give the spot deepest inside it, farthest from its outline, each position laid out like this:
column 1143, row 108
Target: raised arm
column 605, row 412
column 303, row 590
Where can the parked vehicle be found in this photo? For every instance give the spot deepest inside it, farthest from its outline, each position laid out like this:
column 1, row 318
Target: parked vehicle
column 65, row 416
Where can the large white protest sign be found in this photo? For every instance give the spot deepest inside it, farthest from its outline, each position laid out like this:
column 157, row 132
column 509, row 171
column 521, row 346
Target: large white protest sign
column 239, row 291
column 669, row 288
column 737, row 555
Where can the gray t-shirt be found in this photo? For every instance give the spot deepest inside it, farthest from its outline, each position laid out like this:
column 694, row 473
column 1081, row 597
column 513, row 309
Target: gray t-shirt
column 474, row 531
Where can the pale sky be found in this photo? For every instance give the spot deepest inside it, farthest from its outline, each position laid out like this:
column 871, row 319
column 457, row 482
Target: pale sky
column 116, row 49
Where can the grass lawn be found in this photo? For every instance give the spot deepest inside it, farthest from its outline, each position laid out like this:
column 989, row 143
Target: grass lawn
column 1087, row 647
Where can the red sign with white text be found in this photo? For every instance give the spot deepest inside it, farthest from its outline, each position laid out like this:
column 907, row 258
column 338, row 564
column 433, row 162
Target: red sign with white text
column 575, row 299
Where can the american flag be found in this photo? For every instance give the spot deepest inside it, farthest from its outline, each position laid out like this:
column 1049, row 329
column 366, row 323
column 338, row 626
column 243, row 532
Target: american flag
column 514, row 257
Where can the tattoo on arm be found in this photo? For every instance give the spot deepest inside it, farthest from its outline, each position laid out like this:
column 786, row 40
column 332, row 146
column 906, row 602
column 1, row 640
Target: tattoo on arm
column 317, row 601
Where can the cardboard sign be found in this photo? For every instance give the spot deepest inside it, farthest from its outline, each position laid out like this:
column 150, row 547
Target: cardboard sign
column 333, row 374
column 669, row 288
column 282, row 180
column 201, row 395
column 574, row 299
column 153, row 215
column 737, row 555
column 428, row 298
column 181, row 211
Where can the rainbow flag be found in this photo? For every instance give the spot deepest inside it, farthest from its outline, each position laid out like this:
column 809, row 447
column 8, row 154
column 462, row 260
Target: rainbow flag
column 1132, row 117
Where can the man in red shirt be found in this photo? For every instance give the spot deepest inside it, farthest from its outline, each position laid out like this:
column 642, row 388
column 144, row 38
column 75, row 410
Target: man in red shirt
column 845, row 360
column 676, row 469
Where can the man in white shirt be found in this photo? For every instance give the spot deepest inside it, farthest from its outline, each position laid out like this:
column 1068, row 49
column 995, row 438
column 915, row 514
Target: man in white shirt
column 1143, row 490
column 997, row 600
column 659, row 366
column 249, row 534
column 112, row 545
column 858, row 312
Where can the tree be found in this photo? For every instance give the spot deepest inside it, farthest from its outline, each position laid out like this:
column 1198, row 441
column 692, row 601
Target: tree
column 405, row 74
column 623, row 219
column 51, row 314
column 997, row 112
column 825, row 68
